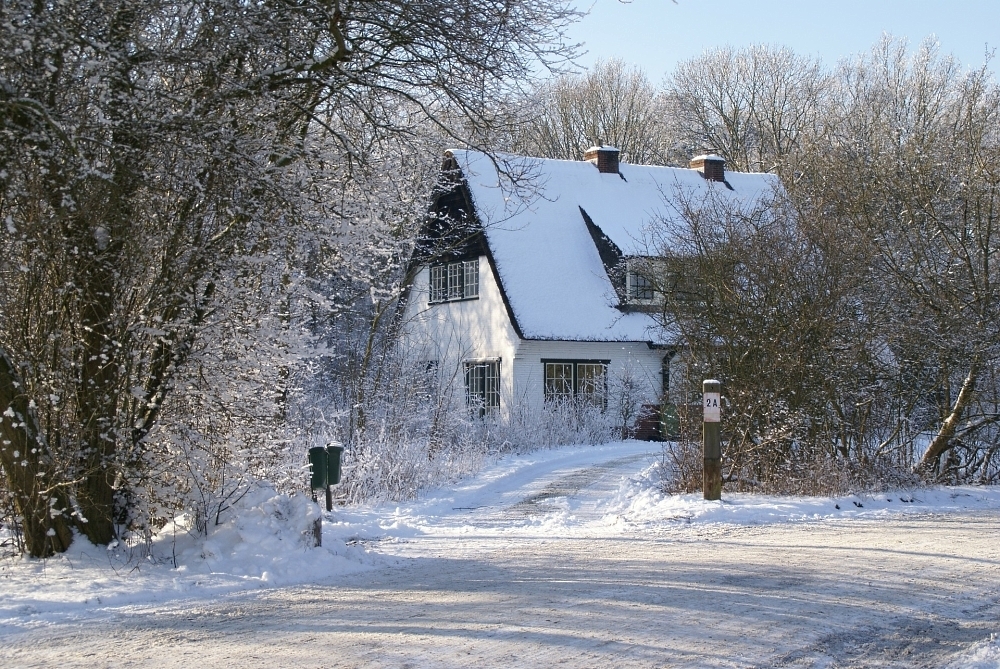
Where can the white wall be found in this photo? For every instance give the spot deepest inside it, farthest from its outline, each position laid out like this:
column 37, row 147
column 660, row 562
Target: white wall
column 635, row 358
column 454, row 332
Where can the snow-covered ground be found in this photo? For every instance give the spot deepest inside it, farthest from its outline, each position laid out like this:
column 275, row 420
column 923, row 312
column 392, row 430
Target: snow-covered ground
column 267, row 543
column 632, row 499
column 521, row 529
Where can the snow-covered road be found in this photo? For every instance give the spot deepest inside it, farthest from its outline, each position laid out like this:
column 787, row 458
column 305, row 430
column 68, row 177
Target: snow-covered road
column 538, row 562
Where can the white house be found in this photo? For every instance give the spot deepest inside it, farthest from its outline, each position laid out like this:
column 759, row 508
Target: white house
column 527, row 301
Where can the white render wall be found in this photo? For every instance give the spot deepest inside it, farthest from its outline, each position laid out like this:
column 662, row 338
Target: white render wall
column 635, row 359
column 454, row 332
column 479, row 329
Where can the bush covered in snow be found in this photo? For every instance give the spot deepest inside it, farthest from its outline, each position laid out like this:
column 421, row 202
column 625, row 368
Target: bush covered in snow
column 263, row 536
column 411, row 439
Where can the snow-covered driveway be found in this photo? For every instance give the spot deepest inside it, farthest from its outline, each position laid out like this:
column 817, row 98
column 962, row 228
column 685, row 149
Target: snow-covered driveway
column 541, row 562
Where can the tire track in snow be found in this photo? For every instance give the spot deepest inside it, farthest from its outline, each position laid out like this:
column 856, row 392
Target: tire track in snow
column 571, row 484
column 595, row 479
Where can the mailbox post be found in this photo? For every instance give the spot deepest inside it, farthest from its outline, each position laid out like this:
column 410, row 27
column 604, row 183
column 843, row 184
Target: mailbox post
column 318, row 480
column 324, row 468
column 712, row 480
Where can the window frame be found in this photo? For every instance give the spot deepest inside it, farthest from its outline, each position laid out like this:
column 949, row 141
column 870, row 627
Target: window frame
column 640, row 289
column 561, row 386
column 482, row 400
column 644, row 294
column 453, row 281
column 577, row 395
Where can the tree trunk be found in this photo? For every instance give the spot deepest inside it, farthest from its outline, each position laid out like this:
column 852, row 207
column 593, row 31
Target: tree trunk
column 943, row 440
column 29, row 470
column 97, row 401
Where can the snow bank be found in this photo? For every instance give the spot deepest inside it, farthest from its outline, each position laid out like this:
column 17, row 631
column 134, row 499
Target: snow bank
column 264, row 542
column 641, row 501
column 984, row 655
column 527, row 495
column 267, row 539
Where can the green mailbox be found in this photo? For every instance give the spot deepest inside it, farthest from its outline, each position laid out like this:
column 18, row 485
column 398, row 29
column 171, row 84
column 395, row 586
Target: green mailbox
column 320, row 468
column 334, row 450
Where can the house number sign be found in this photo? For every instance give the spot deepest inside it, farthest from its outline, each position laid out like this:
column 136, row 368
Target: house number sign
column 712, row 411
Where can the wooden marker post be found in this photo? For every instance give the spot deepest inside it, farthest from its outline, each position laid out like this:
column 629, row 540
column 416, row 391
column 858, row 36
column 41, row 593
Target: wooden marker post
column 712, row 482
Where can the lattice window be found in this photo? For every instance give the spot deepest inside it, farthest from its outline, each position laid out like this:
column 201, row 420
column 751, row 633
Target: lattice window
column 471, row 278
column 558, row 381
column 591, row 383
column 482, row 387
column 455, row 275
column 439, row 283
column 639, row 287
column 583, row 381
column 454, row 281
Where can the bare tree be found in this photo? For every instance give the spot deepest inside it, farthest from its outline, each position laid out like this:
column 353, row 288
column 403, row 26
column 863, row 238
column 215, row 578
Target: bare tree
column 752, row 105
column 911, row 167
column 148, row 150
column 612, row 104
column 861, row 321
column 767, row 301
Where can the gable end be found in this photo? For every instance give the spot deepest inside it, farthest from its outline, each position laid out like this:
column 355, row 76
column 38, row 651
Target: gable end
column 453, row 231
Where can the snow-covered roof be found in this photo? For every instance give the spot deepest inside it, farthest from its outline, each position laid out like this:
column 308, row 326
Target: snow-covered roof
column 547, row 260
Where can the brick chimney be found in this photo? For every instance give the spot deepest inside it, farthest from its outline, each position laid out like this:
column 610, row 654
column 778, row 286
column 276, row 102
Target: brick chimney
column 711, row 166
column 605, row 157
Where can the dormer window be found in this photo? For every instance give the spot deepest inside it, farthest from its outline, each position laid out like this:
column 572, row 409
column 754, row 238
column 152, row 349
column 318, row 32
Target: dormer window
column 639, row 288
column 638, row 285
column 454, row 281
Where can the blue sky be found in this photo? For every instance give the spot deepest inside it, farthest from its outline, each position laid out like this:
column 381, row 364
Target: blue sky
column 657, row 34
